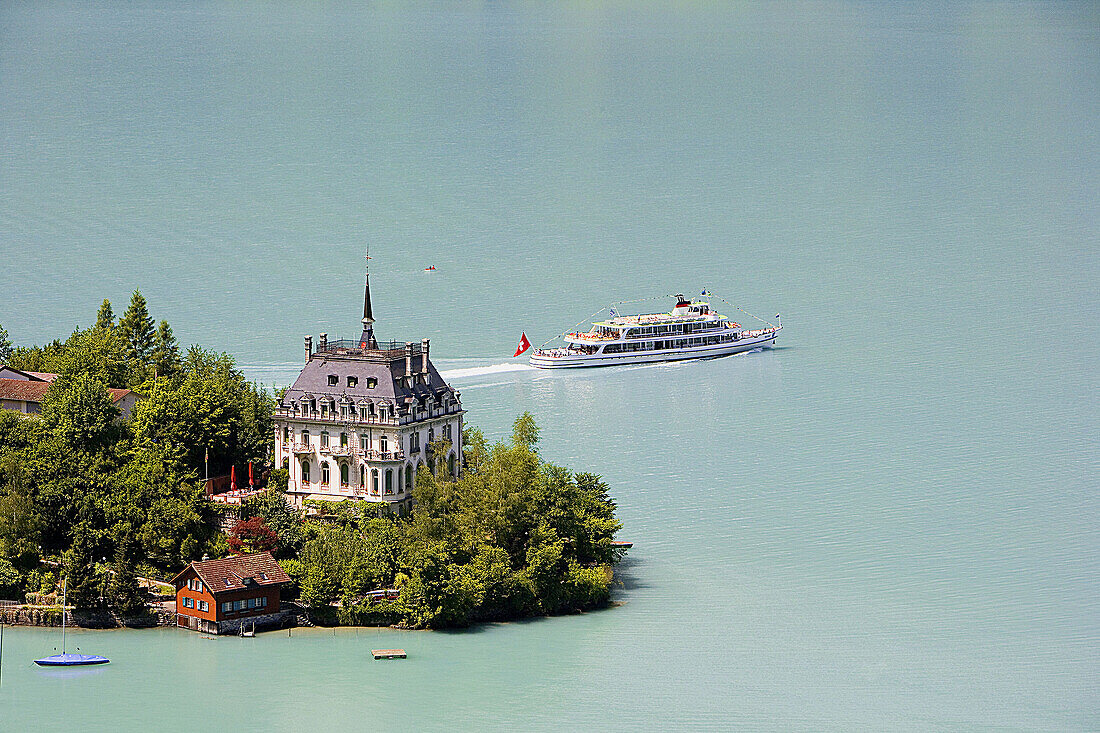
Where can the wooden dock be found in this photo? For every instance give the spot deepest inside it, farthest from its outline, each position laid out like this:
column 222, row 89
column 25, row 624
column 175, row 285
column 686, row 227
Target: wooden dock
column 388, row 653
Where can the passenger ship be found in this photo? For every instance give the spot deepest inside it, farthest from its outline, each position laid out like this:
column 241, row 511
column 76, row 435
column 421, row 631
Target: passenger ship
column 691, row 331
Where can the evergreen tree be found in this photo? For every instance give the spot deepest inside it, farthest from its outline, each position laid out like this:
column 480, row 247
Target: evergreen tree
column 166, row 352
column 125, row 594
column 6, row 349
column 78, row 568
column 106, row 316
column 136, row 327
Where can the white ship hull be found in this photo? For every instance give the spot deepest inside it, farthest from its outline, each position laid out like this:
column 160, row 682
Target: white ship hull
column 563, row 359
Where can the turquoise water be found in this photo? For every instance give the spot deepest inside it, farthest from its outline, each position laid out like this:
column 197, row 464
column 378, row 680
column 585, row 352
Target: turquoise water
column 888, row 523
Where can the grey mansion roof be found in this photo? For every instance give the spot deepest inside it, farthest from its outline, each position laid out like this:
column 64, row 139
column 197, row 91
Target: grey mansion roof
column 384, row 369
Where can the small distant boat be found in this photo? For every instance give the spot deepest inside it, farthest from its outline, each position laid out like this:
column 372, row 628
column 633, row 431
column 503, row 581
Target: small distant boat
column 69, row 660
column 430, row 269
column 249, row 633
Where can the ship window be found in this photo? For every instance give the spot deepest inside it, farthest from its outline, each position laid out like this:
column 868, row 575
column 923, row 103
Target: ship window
column 353, row 381
column 333, row 380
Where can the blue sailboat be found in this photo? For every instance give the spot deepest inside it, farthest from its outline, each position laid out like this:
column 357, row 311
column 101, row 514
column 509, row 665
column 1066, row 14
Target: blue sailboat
column 63, row 659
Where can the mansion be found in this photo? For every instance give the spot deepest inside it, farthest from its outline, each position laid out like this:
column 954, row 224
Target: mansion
column 363, row 417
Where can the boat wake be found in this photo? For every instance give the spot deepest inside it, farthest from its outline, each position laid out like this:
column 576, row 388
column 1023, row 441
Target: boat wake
column 482, row 371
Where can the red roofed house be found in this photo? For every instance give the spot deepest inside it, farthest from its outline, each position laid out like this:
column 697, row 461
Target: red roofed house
column 24, row 391
column 222, row 596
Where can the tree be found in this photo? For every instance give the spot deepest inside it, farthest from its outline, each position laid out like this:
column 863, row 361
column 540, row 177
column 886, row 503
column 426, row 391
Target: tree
column 9, row 578
column 79, row 411
column 106, row 317
column 209, row 405
column 252, row 535
column 283, row 519
column 166, row 353
column 21, row 524
column 525, row 432
column 78, row 569
column 123, row 590
column 6, row 350
column 136, row 328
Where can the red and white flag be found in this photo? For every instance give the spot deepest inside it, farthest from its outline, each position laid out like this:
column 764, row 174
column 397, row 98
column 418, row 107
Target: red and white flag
column 524, row 344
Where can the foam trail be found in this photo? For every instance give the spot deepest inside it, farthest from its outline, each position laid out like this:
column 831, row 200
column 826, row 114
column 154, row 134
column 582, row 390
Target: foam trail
column 484, row 370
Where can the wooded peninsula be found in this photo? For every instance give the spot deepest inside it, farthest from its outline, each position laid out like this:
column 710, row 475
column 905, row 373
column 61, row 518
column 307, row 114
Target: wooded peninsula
column 99, row 500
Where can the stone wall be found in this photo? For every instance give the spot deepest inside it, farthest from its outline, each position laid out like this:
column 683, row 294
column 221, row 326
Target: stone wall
column 278, row 620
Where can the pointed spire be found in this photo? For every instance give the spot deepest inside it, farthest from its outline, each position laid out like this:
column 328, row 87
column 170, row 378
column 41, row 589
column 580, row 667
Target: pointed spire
column 367, row 340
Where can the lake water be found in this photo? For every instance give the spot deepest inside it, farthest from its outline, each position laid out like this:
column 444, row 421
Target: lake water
column 890, row 523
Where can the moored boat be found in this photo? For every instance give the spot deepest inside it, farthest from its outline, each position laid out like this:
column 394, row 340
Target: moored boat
column 71, row 660
column 691, row 330
column 63, row 659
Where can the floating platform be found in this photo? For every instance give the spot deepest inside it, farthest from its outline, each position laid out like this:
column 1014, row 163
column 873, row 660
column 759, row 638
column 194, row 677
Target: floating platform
column 388, row 653
column 621, row 544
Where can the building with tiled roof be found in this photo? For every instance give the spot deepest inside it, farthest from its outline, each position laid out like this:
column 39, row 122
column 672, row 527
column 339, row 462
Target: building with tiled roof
column 25, row 393
column 359, row 420
column 221, row 596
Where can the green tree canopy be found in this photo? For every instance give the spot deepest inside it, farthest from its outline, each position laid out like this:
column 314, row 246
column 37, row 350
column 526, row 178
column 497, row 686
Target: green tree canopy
column 137, row 329
column 105, row 318
column 6, row 350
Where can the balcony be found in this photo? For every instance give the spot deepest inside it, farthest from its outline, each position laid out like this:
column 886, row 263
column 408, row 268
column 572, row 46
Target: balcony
column 374, row 455
column 336, row 450
column 300, row 448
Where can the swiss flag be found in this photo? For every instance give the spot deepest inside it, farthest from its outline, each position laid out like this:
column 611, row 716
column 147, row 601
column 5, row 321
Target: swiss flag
column 524, row 344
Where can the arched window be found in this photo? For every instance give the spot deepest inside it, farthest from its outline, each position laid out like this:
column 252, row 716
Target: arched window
column 389, row 480
column 344, row 474
column 305, row 471
column 451, row 465
column 408, row 477
column 325, row 478
column 362, row 476
column 431, row 465
column 374, row 481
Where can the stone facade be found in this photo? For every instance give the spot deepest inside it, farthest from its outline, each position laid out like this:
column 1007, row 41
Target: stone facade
column 363, row 417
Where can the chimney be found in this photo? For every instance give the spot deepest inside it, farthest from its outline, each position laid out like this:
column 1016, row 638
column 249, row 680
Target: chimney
column 309, row 348
column 324, row 342
column 424, row 358
column 408, row 362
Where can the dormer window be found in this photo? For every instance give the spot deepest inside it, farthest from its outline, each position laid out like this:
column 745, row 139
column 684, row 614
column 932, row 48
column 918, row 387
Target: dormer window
column 228, row 583
column 371, row 382
column 333, row 380
column 353, row 381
